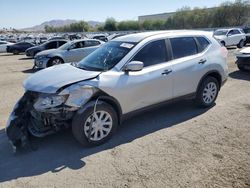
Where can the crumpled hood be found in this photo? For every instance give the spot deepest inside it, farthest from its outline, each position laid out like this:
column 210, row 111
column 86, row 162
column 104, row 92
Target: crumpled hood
column 51, row 79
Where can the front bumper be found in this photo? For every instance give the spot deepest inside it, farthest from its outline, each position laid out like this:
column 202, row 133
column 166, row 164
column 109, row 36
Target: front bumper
column 41, row 63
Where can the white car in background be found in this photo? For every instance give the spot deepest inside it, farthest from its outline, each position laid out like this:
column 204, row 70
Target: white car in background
column 231, row 37
column 3, row 46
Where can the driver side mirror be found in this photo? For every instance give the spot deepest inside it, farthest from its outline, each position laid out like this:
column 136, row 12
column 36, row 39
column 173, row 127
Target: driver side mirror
column 133, row 66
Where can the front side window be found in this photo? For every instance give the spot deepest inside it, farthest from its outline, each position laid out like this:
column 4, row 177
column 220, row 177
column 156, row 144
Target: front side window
column 60, row 43
column 106, row 56
column 90, row 43
column 236, row 32
column 220, row 32
column 52, row 45
column 183, row 46
column 152, row 54
column 77, row 45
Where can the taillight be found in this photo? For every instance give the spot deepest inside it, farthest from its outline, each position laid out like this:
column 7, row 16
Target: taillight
column 224, row 52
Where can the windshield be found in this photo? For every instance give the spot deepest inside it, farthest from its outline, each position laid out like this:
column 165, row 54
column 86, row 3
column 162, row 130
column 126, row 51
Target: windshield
column 107, row 56
column 220, row 32
column 66, row 46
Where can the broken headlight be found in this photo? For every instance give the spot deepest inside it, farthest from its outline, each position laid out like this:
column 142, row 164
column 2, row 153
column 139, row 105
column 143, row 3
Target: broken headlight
column 49, row 101
column 78, row 94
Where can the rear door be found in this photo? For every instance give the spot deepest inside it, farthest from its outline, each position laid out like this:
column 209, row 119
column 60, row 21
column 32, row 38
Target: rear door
column 189, row 63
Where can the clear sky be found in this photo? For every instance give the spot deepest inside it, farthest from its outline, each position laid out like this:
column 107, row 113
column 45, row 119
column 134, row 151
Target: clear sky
column 26, row 13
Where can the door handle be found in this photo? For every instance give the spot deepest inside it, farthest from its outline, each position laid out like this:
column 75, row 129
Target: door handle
column 202, row 61
column 166, row 72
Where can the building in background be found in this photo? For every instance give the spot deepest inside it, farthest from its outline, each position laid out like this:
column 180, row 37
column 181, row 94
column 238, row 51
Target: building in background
column 154, row 17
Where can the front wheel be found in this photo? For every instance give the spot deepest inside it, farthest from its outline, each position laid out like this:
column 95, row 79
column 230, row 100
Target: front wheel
column 207, row 92
column 241, row 44
column 241, row 68
column 55, row 61
column 91, row 128
column 16, row 52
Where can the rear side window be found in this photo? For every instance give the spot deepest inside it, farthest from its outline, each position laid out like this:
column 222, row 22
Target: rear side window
column 152, row 54
column 203, row 42
column 183, row 46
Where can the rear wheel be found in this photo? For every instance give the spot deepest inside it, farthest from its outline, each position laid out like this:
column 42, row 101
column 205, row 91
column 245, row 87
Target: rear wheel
column 223, row 43
column 241, row 44
column 207, row 92
column 91, row 128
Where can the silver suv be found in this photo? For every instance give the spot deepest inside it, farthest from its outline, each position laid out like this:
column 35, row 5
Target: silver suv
column 72, row 51
column 123, row 76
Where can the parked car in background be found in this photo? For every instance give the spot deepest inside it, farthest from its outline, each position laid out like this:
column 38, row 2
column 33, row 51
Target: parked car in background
column 113, row 36
column 231, row 37
column 74, row 36
column 3, row 45
column 243, row 59
column 57, row 38
column 123, row 76
column 53, row 44
column 19, row 47
column 101, row 37
column 247, row 32
column 42, row 40
column 28, row 39
column 72, row 51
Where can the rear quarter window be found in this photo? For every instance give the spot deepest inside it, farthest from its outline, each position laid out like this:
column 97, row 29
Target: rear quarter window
column 203, row 43
column 183, row 46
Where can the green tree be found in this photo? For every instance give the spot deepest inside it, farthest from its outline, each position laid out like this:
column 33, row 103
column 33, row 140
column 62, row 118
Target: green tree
column 110, row 25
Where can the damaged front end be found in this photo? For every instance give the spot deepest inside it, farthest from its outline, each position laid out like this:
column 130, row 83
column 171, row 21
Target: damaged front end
column 40, row 114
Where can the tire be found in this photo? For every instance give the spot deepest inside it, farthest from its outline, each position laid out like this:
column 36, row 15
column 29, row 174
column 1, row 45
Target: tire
column 55, row 61
column 241, row 44
column 16, row 52
column 207, row 92
column 83, row 118
column 223, row 43
column 241, row 68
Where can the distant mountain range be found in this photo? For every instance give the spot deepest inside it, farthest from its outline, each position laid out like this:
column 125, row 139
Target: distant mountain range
column 57, row 23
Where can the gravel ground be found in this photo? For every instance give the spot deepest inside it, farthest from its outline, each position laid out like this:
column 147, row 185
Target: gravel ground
column 174, row 146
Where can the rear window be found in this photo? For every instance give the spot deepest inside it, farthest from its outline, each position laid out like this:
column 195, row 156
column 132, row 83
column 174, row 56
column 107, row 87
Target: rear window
column 183, row 46
column 203, row 42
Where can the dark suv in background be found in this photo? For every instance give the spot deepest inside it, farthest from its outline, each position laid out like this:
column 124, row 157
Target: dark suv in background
column 53, row 44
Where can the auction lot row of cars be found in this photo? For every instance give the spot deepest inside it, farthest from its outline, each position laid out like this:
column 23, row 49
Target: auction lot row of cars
column 105, row 83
